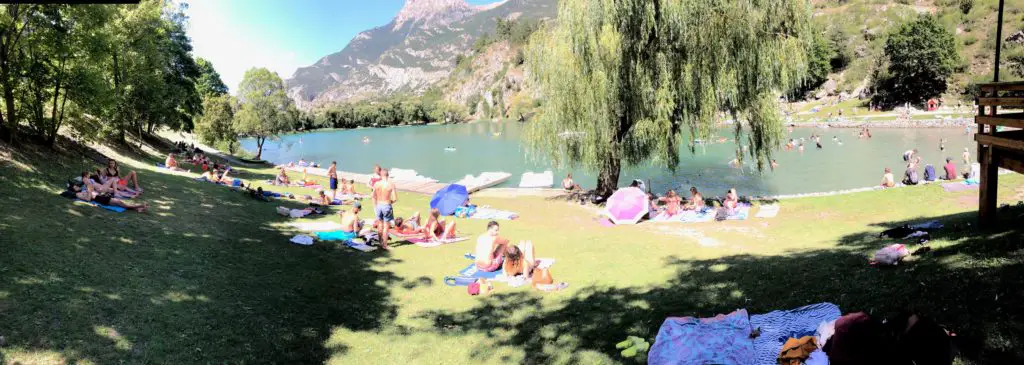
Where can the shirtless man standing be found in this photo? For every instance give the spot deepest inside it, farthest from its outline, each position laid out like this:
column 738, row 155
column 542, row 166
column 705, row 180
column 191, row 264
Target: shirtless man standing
column 332, row 174
column 384, row 195
column 489, row 249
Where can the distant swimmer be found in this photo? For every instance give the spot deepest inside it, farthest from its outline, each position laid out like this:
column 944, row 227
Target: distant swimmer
column 496, row 134
column 942, row 144
column 818, row 144
column 775, row 165
column 366, row 139
column 449, row 149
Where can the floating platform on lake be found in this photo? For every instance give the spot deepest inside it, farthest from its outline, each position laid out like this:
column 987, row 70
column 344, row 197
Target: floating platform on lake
column 412, row 186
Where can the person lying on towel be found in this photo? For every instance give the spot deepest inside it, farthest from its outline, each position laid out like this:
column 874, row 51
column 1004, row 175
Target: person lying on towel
column 109, row 187
column 438, row 229
column 408, row 226
column 519, row 259
column 214, row 177
column 490, row 249
column 91, row 195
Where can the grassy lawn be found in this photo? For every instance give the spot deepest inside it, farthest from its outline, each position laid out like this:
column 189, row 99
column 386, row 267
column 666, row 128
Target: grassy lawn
column 208, row 276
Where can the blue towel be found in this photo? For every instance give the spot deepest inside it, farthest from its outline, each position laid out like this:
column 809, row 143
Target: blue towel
column 472, row 272
column 335, row 236
column 236, row 183
column 107, row 207
column 271, row 194
column 778, row 326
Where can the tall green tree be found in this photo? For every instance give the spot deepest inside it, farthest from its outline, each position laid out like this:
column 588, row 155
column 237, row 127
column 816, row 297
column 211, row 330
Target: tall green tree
column 265, row 109
column 209, row 82
column 215, row 126
column 14, row 21
column 633, row 74
column 922, row 55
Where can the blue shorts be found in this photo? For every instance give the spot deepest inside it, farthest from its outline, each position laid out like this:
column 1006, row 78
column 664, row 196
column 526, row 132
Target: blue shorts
column 334, row 183
column 384, row 213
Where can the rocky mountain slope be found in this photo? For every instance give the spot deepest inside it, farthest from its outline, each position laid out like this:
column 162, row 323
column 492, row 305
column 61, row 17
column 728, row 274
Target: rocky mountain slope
column 418, row 48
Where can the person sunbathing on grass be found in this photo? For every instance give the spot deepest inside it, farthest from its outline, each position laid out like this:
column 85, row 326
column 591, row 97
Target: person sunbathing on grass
column 108, row 187
column 212, row 176
column 91, row 195
column 731, row 200
column 437, row 229
column 696, row 200
column 490, row 249
column 673, row 203
column 519, row 259
column 322, row 198
column 282, row 178
column 408, row 226
column 172, row 164
column 112, row 171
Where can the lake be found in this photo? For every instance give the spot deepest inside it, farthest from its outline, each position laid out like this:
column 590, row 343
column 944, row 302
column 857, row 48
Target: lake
column 496, row 146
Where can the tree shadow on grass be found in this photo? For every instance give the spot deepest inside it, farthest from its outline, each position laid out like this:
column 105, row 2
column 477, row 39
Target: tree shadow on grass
column 971, row 285
column 200, row 278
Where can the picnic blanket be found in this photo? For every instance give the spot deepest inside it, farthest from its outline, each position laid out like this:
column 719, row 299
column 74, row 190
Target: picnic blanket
column 722, row 339
column 107, row 207
column 490, row 213
column 958, row 186
column 768, row 211
column 742, row 212
column 472, row 271
column 778, row 326
column 665, row 217
column 338, row 235
column 692, row 216
column 424, row 242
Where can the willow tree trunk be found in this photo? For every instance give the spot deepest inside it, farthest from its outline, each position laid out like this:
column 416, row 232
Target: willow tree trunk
column 259, row 146
column 608, row 177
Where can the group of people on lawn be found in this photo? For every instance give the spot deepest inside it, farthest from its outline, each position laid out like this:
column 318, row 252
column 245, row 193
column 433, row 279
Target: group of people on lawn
column 107, row 186
column 913, row 160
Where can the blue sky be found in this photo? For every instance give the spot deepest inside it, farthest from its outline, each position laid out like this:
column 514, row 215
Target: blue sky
column 280, row 35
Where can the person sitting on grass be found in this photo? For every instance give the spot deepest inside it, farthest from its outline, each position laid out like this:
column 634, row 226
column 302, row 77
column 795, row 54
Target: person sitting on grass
column 490, row 249
column 910, row 176
column 731, row 200
column 322, row 198
column 569, row 185
column 888, row 180
column 950, row 169
column 673, row 203
column 696, row 200
column 519, row 260
column 172, row 164
column 91, row 195
column 350, row 223
column 282, row 178
column 214, row 177
column 113, row 172
column 108, row 187
column 437, row 229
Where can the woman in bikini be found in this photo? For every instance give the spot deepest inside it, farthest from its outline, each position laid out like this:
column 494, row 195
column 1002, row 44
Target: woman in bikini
column 731, row 200
column 113, row 171
column 519, row 259
column 89, row 194
column 673, row 203
column 408, row 226
column 437, row 229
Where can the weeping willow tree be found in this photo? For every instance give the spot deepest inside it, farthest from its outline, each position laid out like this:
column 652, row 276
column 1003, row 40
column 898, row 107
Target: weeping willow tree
column 624, row 79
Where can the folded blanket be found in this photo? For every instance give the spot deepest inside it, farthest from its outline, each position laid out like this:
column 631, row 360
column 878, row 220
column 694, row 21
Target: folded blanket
column 723, row 339
column 768, row 211
column 107, row 207
column 490, row 213
column 424, row 242
column 778, row 326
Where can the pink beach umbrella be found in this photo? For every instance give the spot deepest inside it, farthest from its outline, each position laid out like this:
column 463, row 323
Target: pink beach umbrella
column 627, row 206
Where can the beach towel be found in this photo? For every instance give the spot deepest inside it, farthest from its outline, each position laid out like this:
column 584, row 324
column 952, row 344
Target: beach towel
column 742, row 211
column 302, row 240
column 778, row 326
column 665, row 217
column 359, row 246
column 722, row 339
column 107, row 207
column 958, row 186
column 768, row 211
column 473, row 272
column 423, row 242
column 271, row 194
column 338, row 235
column 490, row 213
column 316, row 226
column 691, row 216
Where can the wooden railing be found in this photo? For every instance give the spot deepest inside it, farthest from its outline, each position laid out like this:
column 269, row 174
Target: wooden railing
column 998, row 148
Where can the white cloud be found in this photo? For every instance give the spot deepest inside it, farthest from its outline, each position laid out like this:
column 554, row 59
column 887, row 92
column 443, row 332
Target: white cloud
column 230, row 47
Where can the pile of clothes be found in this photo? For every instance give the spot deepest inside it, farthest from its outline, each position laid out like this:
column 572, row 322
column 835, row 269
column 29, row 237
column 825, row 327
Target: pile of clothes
column 813, row 334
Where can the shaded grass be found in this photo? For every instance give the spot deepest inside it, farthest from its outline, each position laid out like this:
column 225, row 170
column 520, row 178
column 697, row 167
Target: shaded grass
column 208, row 276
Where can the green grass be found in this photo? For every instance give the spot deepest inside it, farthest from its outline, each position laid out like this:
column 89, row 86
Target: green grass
column 207, row 276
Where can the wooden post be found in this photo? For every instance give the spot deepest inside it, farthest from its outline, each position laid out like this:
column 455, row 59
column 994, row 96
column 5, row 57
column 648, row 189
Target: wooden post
column 989, row 177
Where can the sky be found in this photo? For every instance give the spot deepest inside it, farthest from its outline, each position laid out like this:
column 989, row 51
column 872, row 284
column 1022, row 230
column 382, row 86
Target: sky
column 281, row 35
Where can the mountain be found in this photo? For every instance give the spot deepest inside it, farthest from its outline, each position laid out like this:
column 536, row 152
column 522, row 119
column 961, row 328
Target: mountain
column 417, row 49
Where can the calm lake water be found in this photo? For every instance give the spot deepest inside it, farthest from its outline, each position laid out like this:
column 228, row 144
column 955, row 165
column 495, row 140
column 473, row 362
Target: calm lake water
column 854, row 164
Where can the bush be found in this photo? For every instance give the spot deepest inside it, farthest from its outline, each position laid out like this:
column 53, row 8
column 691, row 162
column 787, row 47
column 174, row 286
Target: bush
column 970, row 39
column 966, row 5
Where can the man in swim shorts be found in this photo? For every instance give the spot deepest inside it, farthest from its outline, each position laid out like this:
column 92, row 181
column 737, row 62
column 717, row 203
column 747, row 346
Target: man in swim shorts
column 490, row 248
column 350, row 221
column 384, row 195
column 332, row 173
